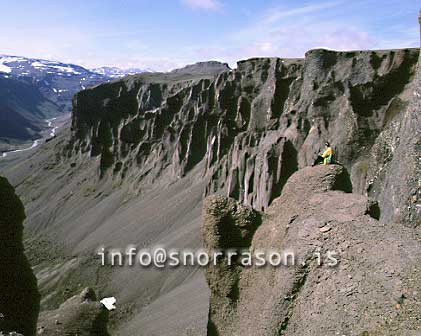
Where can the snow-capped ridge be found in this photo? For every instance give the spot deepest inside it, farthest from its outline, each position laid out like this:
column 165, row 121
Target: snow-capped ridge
column 115, row 72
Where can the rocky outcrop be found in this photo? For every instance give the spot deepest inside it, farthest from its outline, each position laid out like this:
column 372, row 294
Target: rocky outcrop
column 247, row 130
column 371, row 289
column 80, row 315
column 19, row 297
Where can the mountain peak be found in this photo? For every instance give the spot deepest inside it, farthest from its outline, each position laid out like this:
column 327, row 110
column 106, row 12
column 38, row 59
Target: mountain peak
column 209, row 67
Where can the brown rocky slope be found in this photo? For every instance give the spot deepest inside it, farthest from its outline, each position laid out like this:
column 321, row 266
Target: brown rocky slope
column 373, row 290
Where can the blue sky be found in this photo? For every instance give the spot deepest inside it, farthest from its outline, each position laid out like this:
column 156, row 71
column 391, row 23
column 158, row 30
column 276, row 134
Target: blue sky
column 164, row 34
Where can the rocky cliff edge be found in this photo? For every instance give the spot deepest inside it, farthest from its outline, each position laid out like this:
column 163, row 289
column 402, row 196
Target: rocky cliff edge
column 373, row 289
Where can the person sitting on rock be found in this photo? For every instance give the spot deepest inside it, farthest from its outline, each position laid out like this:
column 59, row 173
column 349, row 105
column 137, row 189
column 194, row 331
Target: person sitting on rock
column 327, row 154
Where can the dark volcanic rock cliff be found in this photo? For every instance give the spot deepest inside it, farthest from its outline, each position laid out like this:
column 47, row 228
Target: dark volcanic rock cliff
column 396, row 180
column 19, row 297
column 250, row 128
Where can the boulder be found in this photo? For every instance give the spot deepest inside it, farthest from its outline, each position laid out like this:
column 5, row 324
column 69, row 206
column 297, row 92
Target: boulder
column 80, row 315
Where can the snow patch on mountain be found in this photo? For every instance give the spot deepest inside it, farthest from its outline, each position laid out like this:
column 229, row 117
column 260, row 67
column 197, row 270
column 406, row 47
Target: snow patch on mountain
column 5, row 68
column 114, row 72
column 38, row 64
column 24, row 66
column 3, row 64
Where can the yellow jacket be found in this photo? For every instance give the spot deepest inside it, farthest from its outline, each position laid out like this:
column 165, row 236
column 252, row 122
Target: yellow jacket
column 328, row 152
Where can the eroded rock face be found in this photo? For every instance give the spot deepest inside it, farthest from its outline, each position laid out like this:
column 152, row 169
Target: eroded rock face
column 19, row 297
column 396, row 179
column 373, row 290
column 81, row 315
column 247, row 130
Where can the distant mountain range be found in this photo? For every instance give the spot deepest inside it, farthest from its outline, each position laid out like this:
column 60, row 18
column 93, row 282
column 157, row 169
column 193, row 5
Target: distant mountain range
column 32, row 90
column 58, row 81
column 114, row 72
